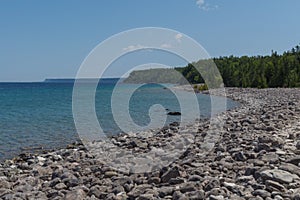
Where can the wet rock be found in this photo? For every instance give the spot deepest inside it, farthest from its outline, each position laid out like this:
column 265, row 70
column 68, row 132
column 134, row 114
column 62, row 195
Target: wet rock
column 174, row 113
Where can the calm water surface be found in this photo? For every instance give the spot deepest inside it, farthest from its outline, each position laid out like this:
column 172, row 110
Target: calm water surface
column 34, row 115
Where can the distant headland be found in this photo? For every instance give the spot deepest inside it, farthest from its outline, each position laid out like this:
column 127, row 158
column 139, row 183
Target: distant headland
column 82, row 80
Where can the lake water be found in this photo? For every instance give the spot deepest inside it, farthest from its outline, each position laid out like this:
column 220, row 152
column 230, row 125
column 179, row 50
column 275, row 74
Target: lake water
column 34, row 115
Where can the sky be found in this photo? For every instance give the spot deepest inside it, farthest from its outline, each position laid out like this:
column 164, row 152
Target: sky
column 50, row 39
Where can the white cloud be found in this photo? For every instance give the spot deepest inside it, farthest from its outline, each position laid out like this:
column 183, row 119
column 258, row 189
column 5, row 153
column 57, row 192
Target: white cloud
column 133, row 47
column 205, row 6
column 167, row 46
column 200, row 3
column 178, row 37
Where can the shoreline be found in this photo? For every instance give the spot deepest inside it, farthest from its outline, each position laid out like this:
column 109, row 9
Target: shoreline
column 256, row 157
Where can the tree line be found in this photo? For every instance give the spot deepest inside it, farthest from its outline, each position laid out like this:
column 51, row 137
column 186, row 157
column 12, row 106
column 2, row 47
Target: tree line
column 246, row 71
column 256, row 71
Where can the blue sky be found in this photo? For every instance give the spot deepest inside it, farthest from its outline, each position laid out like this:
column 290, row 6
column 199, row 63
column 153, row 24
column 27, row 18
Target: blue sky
column 41, row 39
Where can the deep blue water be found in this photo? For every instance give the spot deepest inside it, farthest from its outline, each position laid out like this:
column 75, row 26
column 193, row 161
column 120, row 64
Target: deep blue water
column 40, row 114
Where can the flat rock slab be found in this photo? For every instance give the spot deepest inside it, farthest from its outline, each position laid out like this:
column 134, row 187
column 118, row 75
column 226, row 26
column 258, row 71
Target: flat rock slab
column 290, row 168
column 278, row 175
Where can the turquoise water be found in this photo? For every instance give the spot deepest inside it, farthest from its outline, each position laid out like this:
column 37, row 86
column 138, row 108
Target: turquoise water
column 34, row 115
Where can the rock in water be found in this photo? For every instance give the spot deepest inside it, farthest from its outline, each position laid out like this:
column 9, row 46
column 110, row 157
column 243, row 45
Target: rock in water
column 174, row 113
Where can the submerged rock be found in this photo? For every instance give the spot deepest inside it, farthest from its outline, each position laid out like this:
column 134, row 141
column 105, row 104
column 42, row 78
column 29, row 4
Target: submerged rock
column 174, row 113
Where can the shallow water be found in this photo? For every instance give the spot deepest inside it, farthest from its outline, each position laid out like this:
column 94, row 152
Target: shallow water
column 34, row 115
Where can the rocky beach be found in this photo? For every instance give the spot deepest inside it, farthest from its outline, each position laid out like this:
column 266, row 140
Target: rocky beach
column 257, row 156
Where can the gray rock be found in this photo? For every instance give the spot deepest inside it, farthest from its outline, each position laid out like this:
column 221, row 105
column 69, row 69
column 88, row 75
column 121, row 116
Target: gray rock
column 171, row 173
column 270, row 128
column 118, row 189
column 24, row 166
column 278, row 175
column 23, row 188
column 175, row 181
column 290, row 168
column 155, row 180
column 60, row 186
column 245, row 179
column 178, row 196
column 298, row 145
column 195, row 178
column 75, row 195
column 219, row 197
column 146, row 197
column 261, row 146
column 53, row 194
column 4, row 192
column 110, row 174
column 213, row 183
column 187, row 187
column 5, row 184
column 165, row 191
column 278, row 197
column 273, row 186
column 96, row 191
column 261, row 193
column 174, row 113
column 270, row 158
column 71, row 182
column 138, row 190
column 196, row 195
column 294, row 160
column 230, row 186
column 296, row 196
column 53, row 182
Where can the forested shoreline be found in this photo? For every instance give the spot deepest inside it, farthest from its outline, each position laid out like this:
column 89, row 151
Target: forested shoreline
column 273, row 70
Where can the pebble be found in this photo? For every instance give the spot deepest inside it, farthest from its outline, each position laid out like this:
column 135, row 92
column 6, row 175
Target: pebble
column 256, row 157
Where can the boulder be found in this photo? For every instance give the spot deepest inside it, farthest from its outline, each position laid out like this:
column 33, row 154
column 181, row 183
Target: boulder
column 174, row 113
column 278, row 175
column 171, row 173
